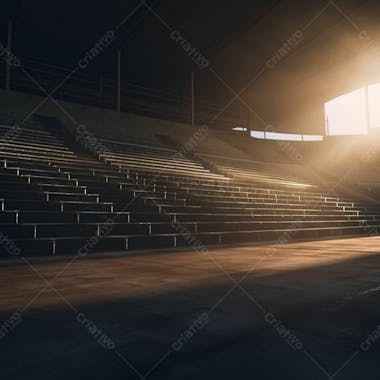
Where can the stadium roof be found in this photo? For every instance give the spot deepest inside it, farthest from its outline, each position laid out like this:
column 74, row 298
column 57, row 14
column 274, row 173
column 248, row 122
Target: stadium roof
column 289, row 56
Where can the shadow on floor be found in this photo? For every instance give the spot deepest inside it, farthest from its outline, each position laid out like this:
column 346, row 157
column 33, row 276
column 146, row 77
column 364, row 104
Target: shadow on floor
column 297, row 324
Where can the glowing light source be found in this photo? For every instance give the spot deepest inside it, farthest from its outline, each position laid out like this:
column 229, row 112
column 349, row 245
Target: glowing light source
column 285, row 136
column 347, row 114
column 258, row 134
column 312, row 138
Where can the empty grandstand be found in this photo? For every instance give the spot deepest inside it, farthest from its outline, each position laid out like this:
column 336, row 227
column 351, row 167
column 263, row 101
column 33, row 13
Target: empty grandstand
column 189, row 190
column 56, row 196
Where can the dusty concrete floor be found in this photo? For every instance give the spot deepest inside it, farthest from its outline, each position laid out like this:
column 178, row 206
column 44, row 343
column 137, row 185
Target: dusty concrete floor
column 296, row 311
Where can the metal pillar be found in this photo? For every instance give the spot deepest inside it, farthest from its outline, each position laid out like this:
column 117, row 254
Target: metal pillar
column 192, row 100
column 8, row 63
column 368, row 117
column 118, row 80
column 101, row 86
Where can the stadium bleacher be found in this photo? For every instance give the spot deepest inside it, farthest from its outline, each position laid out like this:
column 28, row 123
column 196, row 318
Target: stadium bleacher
column 58, row 199
column 270, row 173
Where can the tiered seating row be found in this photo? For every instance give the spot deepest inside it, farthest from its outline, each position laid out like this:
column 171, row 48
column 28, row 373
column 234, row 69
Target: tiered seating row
column 271, row 173
column 144, row 158
column 56, row 200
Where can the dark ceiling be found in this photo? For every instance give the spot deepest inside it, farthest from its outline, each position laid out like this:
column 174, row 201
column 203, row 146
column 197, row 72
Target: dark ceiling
column 237, row 38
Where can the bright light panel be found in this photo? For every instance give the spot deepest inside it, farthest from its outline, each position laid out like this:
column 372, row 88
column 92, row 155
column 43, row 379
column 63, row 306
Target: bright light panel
column 283, row 136
column 258, row 134
column 346, row 115
column 312, row 138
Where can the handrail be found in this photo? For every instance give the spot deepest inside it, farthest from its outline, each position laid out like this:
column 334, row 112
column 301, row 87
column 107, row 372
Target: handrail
column 86, row 89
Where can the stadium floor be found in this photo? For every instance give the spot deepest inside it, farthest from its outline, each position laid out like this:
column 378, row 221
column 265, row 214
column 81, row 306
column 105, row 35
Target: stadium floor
column 305, row 310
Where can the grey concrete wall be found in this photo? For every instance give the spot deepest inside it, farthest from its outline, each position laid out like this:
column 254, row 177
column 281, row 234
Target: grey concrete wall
column 102, row 122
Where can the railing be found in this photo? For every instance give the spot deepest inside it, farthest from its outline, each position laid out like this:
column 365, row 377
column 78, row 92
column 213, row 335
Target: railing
column 101, row 92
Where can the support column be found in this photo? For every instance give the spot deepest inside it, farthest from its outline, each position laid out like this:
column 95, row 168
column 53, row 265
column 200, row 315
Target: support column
column 8, row 63
column 192, row 100
column 101, row 86
column 368, row 117
column 327, row 126
column 118, row 80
